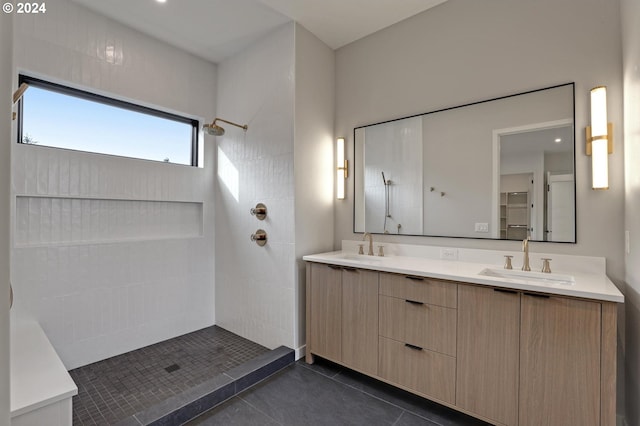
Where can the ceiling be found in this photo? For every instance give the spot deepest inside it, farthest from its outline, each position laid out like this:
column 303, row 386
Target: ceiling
column 218, row 29
column 533, row 142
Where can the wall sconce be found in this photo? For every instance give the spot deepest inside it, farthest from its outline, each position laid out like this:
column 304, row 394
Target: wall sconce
column 599, row 139
column 342, row 170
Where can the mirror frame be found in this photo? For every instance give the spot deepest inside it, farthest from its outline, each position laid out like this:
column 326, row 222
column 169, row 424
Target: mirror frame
column 575, row 198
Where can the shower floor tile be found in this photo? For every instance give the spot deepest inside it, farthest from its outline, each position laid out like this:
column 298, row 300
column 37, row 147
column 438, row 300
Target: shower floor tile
column 116, row 388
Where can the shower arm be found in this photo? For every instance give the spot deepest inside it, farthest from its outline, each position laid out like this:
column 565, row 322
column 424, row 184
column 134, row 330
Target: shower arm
column 245, row 127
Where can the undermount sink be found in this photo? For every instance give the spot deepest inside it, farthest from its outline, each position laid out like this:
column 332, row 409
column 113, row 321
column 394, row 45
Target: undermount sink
column 360, row 257
column 528, row 276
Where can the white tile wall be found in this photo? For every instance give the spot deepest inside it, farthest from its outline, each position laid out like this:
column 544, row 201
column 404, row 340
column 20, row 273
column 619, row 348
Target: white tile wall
column 285, row 160
column 96, row 292
column 56, row 220
column 401, row 164
column 255, row 285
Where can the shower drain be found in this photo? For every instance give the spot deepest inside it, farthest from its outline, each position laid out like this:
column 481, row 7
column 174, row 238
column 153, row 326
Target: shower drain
column 172, row 368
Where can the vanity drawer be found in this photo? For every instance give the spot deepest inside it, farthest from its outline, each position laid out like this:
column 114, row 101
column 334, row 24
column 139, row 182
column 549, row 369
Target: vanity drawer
column 419, row 289
column 430, row 373
column 428, row 326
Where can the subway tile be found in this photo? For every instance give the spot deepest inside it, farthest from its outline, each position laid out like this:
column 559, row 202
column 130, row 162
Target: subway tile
column 70, row 53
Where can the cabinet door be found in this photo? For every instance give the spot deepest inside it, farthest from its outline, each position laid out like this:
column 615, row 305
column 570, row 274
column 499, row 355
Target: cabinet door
column 360, row 319
column 325, row 311
column 488, row 352
column 560, row 361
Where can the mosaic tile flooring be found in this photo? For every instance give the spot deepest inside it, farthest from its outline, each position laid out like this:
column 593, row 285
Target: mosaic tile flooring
column 118, row 387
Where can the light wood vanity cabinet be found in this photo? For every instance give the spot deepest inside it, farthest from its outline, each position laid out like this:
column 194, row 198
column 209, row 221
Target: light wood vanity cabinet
column 426, row 372
column 560, row 356
column 508, row 357
column 342, row 316
column 418, row 334
column 360, row 319
column 531, row 359
column 324, row 301
column 488, row 352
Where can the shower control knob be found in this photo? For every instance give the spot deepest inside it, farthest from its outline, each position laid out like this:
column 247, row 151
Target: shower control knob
column 259, row 211
column 260, row 237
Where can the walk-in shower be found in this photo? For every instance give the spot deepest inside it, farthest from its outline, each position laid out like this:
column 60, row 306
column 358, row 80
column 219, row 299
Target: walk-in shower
column 172, row 381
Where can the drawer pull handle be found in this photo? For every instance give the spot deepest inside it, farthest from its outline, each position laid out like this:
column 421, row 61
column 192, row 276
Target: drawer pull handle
column 409, row 277
column 335, row 267
column 346, row 268
column 414, row 302
column 502, row 290
column 414, row 347
column 541, row 296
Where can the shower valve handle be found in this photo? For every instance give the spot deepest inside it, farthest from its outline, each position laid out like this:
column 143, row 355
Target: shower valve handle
column 259, row 211
column 260, row 237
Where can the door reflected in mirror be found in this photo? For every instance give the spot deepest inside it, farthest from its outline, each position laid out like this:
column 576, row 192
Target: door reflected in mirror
column 500, row 169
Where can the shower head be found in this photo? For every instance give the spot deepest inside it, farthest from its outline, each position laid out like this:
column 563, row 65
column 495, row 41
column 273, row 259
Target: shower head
column 383, row 179
column 18, row 93
column 214, row 130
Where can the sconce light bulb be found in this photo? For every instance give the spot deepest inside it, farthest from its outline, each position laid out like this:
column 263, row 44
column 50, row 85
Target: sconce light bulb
column 600, row 164
column 341, row 171
column 599, row 111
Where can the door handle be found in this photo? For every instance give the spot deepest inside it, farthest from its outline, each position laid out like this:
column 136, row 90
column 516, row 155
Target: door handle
column 410, row 277
column 414, row 347
column 540, row 296
column 502, row 290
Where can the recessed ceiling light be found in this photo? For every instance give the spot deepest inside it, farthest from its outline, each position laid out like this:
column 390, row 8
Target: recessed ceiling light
column 161, row 1
column 558, row 140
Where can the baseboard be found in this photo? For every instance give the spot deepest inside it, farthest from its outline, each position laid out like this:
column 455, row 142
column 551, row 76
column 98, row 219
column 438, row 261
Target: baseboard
column 301, row 351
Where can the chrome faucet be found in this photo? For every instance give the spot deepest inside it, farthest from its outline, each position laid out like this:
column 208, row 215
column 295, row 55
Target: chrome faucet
column 364, row 237
column 525, row 249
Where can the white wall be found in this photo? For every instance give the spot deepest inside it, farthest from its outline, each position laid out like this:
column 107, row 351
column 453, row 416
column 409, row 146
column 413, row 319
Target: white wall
column 255, row 286
column 6, row 37
column 463, row 51
column 630, row 12
column 313, row 158
column 106, row 287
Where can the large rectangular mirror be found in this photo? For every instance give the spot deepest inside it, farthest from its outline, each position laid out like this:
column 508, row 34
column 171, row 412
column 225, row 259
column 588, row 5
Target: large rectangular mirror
column 501, row 169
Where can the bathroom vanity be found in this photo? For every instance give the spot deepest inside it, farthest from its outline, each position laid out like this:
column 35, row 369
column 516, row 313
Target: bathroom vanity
column 509, row 349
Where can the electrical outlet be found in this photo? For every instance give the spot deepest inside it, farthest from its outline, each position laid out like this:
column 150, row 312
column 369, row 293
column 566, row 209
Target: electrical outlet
column 449, row 254
column 482, row 227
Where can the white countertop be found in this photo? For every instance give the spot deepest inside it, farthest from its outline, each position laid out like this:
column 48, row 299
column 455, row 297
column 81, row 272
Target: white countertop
column 38, row 377
column 588, row 284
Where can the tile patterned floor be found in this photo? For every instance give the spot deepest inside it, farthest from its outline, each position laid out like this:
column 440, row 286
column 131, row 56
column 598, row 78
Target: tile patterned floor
column 113, row 389
column 327, row 394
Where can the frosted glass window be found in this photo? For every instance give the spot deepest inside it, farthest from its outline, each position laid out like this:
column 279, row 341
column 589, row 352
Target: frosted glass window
column 61, row 117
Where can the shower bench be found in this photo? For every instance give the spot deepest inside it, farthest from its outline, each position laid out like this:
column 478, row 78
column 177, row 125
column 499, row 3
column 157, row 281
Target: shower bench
column 41, row 388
